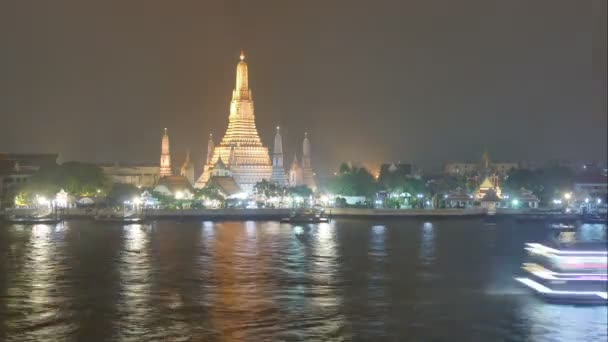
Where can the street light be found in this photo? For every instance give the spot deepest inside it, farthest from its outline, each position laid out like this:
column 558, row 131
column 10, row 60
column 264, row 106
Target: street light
column 179, row 195
column 568, row 195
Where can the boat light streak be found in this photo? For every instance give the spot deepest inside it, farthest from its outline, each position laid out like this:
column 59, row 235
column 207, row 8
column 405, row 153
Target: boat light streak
column 556, row 251
column 543, row 289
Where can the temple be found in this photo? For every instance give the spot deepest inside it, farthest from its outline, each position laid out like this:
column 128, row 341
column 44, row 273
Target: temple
column 187, row 169
column 302, row 174
column 278, row 171
column 165, row 157
column 248, row 160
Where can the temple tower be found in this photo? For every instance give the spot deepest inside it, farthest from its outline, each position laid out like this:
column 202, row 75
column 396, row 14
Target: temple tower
column 187, row 169
column 295, row 173
column 210, row 147
column 307, row 172
column 165, row 157
column 278, row 171
column 241, row 146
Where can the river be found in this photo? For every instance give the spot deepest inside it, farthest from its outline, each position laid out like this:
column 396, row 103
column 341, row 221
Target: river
column 349, row 280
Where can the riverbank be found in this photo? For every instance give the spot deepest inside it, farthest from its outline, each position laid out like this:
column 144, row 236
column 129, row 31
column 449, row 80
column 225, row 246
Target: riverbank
column 277, row 214
column 269, row 214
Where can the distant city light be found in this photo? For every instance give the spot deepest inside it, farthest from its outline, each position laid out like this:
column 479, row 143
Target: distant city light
column 41, row 200
column 586, row 200
column 599, row 201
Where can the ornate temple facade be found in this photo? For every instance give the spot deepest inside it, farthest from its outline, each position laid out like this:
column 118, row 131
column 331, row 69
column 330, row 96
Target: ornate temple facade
column 241, row 147
column 165, row 157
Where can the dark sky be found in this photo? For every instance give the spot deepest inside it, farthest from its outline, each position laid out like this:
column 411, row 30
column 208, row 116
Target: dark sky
column 425, row 81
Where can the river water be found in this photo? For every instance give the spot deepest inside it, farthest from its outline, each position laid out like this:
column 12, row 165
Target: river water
column 349, row 280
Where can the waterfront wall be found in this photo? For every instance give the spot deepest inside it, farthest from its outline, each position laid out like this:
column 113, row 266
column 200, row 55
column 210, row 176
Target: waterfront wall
column 346, row 212
column 271, row 214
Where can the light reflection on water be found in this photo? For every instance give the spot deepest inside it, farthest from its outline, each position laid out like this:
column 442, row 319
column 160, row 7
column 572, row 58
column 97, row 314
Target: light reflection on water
column 254, row 281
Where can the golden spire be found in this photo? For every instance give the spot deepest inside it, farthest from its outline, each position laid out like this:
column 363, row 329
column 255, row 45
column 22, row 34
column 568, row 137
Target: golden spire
column 241, row 91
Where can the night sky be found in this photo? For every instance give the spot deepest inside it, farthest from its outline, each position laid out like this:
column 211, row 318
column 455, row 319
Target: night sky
column 426, row 81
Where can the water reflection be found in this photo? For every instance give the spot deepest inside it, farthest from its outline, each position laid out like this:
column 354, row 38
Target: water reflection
column 35, row 292
column 134, row 305
column 427, row 244
column 592, row 232
column 564, row 323
column 265, row 281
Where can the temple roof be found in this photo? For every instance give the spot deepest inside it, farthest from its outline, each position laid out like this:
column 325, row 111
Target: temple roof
column 458, row 194
column 176, row 183
column 487, row 183
column 226, row 185
column 219, row 165
column 491, row 196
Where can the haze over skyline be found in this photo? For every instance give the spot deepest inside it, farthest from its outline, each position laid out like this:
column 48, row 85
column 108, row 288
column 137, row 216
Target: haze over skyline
column 422, row 81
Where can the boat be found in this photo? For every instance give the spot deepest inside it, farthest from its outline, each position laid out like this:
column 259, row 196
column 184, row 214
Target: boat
column 563, row 226
column 567, row 270
column 117, row 216
column 306, row 217
column 33, row 220
column 122, row 219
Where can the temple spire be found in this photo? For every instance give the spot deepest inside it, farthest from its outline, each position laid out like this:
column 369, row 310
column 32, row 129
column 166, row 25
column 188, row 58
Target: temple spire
column 241, row 91
column 210, row 147
column 165, row 156
column 278, row 172
column 306, row 151
column 278, row 145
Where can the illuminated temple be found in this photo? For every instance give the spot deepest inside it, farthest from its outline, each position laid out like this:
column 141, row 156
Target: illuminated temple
column 241, row 148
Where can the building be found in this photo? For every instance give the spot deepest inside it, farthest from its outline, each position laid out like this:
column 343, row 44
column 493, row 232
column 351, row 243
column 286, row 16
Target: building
column 187, row 169
column 489, row 184
column 175, row 186
column 401, row 169
column 278, row 171
column 165, row 157
column 296, row 178
column 308, row 174
column 138, row 174
column 591, row 185
column 475, row 168
column 248, row 159
column 302, row 173
column 17, row 168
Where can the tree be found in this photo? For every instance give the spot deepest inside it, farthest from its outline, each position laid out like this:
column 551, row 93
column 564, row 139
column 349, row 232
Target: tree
column 547, row 183
column 268, row 189
column 210, row 191
column 352, row 182
column 78, row 179
column 122, row 192
column 300, row 190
